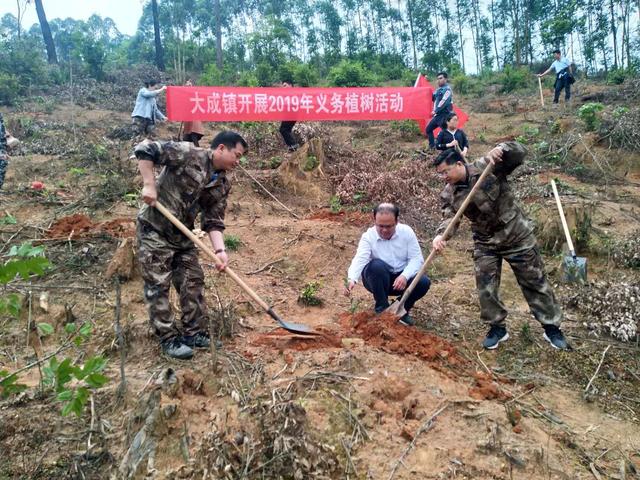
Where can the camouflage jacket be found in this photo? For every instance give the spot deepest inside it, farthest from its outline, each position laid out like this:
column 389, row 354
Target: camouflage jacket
column 187, row 185
column 497, row 220
column 3, row 139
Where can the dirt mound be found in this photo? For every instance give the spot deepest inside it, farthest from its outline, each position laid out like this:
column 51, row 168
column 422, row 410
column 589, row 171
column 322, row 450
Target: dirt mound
column 487, row 388
column 79, row 225
column 284, row 340
column 384, row 331
column 359, row 219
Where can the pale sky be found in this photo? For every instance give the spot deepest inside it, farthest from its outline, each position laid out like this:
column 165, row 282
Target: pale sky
column 125, row 13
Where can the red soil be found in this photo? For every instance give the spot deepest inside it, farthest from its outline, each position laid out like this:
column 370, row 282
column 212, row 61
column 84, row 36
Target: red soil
column 78, row 225
column 487, row 389
column 384, row 331
column 360, row 219
column 284, row 340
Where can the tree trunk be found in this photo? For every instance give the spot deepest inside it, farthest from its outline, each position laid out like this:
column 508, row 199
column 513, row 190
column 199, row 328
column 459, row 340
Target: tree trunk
column 393, row 30
column 476, row 38
column 46, row 33
column 413, row 38
column 156, row 32
column 495, row 41
column 19, row 19
column 218, row 34
column 614, row 31
column 459, row 22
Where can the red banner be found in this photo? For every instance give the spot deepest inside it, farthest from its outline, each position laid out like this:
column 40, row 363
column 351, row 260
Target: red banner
column 422, row 82
column 230, row 104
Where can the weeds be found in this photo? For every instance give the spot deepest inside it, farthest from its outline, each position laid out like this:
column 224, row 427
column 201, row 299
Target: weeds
column 232, row 242
column 275, row 162
column 310, row 163
column 334, row 204
column 309, row 294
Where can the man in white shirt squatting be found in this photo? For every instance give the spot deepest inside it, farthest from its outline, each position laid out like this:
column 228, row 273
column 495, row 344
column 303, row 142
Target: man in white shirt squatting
column 387, row 259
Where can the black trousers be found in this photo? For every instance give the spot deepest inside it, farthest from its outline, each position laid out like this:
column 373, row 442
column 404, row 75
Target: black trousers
column 193, row 138
column 378, row 278
column 435, row 122
column 286, row 130
column 562, row 82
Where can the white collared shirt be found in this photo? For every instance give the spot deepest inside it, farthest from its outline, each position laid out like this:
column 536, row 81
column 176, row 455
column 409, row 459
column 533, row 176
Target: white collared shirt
column 402, row 252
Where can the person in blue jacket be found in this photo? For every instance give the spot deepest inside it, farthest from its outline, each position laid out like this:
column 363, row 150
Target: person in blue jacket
column 442, row 106
column 146, row 113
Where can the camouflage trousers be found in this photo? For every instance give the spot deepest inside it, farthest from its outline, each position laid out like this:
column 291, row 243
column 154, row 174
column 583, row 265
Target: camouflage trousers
column 162, row 264
column 3, row 169
column 528, row 268
column 143, row 126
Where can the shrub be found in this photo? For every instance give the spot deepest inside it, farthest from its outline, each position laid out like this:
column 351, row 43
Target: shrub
column 467, row 85
column 350, row 74
column 305, row 76
column 514, row 78
column 617, row 76
column 588, row 113
column 9, row 88
column 408, row 129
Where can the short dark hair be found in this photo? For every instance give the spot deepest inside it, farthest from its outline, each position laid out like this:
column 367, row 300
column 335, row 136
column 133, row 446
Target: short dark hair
column 444, row 74
column 229, row 139
column 450, row 157
column 557, row 51
column 150, row 82
column 448, row 118
column 386, row 208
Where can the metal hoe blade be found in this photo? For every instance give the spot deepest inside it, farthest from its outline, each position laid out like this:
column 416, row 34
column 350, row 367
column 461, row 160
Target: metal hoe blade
column 574, row 269
column 396, row 308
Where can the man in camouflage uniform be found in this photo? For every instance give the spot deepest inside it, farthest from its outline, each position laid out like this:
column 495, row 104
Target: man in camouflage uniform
column 4, row 158
column 500, row 231
column 193, row 180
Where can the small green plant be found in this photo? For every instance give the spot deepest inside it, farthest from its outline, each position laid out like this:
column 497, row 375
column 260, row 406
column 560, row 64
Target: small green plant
column 244, row 162
column 99, row 153
column 86, row 378
column 8, row 219
column 358, row 196
column 309, row 294
column 354, row 305
column 131, row 199
column 588, row 113
column 232, row 242
column 334, row 204
column 24, row 261
column 77, row 171
column 482, row 137
column 618, row 112
column 275, row 162
column 525, row 333
column 311, row 163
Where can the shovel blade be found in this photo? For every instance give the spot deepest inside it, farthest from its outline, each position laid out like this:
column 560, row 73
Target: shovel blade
column 292, row 327
column 396, row 308
column 574, row 270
